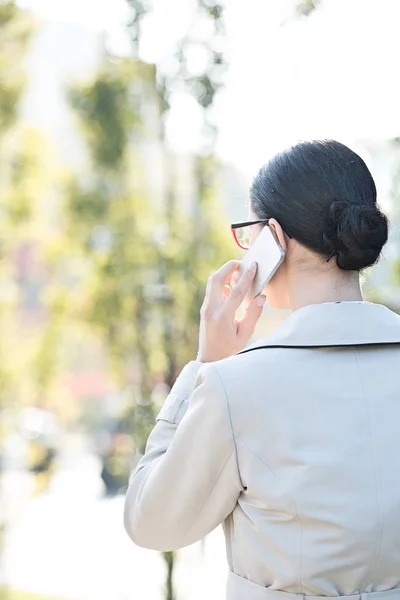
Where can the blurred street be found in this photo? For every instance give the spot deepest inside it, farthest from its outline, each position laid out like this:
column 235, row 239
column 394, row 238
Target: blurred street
column 70, row 542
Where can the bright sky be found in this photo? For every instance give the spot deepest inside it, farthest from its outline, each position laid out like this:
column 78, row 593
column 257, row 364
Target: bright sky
column 332, row 75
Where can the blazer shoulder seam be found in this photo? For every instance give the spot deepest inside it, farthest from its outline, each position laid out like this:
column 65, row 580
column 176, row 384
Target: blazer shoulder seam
column 230, row 424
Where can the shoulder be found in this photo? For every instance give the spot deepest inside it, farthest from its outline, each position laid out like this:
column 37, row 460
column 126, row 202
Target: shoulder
column 251, row 384
column 246, row 373
column 249, row 362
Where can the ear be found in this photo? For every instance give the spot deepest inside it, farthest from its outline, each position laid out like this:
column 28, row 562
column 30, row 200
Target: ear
column 279, row 233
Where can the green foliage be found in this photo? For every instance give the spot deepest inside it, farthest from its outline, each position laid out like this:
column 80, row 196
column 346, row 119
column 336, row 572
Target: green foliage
column 396, row 272
column 22, row 172
column 148, row 264
column 22, row 373
column 105, row 110
column 201, row 86
column 307, row 7
column 15, row 30
column 144, row 290
column 195, row 245
column 110, row 224
column 87, row 207
column 44, row 363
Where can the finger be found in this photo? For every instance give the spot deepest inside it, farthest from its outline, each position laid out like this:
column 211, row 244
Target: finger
column 235, row 278
column 246, row 326
column 241, row 288
column 216, row 285
column 227, row 290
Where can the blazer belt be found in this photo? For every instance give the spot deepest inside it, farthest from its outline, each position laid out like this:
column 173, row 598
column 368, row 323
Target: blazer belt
column 242, row 589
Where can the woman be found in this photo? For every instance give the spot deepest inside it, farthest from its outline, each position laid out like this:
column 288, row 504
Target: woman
column 294, row 443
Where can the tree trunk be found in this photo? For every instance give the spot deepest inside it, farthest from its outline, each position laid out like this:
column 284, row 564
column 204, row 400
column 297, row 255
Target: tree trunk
column 169, row 558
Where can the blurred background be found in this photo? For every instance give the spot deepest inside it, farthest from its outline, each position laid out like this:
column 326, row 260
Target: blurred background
column 129, row 133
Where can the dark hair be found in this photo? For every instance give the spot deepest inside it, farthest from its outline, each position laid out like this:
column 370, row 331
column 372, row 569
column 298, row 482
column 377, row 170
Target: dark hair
column 323, row 195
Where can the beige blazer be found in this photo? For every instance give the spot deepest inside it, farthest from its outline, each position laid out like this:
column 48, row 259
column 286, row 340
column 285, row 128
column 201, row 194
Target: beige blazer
column 295, row 447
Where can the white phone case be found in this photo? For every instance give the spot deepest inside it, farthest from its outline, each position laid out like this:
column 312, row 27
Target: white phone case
column 268, row 254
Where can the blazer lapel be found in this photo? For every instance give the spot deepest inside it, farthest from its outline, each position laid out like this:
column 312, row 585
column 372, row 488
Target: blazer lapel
column 334, row 324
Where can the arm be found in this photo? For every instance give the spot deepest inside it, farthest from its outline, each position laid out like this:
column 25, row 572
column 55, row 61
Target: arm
column 188, row 481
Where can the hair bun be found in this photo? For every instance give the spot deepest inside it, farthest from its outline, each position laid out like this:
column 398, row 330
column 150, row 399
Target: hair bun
column 355, row 233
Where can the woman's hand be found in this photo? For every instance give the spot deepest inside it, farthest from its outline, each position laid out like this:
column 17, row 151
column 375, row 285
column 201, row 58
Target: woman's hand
column 221, row 335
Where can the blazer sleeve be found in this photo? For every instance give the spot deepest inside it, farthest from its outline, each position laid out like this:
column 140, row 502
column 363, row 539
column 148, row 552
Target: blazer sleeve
column 188, row 481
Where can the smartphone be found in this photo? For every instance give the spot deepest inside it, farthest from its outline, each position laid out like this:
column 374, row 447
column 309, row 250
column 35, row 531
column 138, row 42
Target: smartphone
column 268, row 254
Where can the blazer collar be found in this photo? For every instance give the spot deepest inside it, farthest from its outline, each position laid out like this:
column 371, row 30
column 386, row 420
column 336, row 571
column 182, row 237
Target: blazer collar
column 335, row 324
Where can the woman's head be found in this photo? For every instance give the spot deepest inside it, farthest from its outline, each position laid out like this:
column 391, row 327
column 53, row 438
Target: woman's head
column 322, row 194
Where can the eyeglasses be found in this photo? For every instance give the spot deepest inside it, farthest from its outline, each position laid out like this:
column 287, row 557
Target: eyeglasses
column 242, row 232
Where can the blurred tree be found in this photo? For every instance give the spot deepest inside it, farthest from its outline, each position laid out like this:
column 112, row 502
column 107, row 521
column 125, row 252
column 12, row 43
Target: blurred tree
column 194, row 244
column 109, row 221
column 185, row 264
column 148, row 262
column 22, row 184
column 25, row 375
column 15, row 30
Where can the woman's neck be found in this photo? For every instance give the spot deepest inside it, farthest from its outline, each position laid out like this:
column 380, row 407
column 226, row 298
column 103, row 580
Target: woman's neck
column 319, row 287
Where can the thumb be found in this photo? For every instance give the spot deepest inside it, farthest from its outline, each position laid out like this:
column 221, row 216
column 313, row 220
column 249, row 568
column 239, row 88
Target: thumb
column 247, row 325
